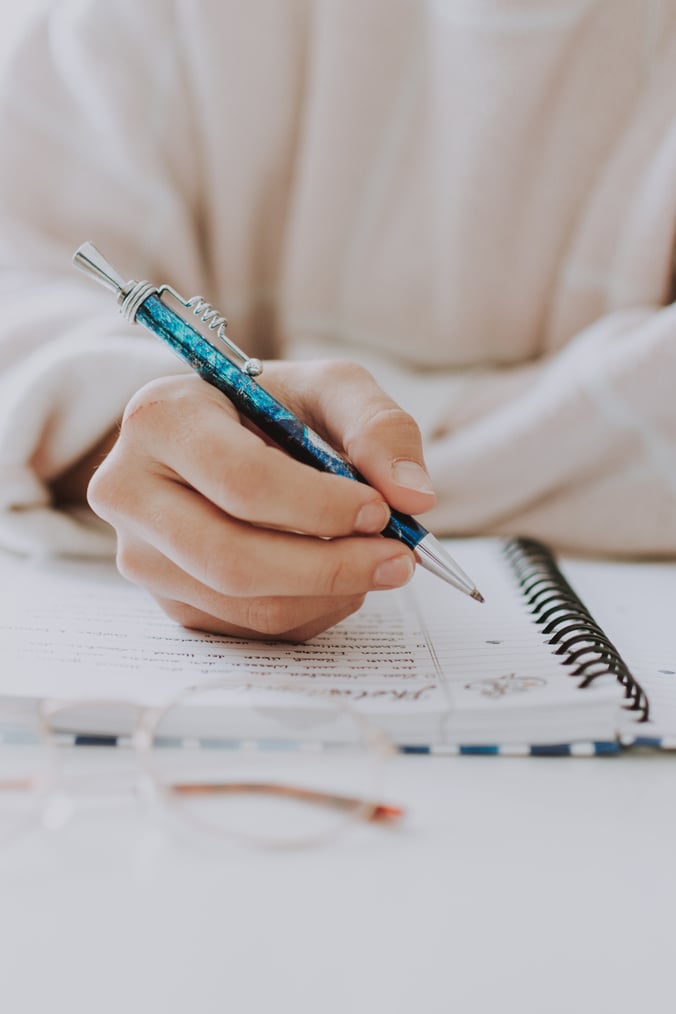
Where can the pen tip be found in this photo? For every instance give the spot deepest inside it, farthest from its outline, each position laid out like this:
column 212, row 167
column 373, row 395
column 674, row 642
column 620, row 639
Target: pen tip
column 476, row 594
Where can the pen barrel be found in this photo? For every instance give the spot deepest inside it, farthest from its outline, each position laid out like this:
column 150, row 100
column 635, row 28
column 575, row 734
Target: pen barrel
column 259, row 406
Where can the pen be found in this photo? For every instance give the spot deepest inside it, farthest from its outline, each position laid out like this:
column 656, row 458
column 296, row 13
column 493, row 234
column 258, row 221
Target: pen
column 219, row 364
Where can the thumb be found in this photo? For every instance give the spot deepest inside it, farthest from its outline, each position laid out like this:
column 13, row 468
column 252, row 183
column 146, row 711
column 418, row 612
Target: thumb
column 343, row 402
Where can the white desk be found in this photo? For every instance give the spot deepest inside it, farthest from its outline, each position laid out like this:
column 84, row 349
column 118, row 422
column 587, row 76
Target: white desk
column 522, row 885
column 532, row 886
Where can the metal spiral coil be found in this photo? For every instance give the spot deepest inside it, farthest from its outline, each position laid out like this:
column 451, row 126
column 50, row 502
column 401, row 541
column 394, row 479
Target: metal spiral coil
column 207, row 314
column 567, row 623
column 215, row 322
column 134, row 298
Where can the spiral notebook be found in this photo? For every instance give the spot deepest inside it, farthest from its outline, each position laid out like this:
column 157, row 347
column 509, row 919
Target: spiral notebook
column 541, row 668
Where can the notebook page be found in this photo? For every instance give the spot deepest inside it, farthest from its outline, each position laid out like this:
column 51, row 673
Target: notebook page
column 503, row 681
column 76, row 630
column 429, row 663
column 634, row 604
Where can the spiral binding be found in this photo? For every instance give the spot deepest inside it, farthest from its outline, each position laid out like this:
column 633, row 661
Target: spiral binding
column 567, row 623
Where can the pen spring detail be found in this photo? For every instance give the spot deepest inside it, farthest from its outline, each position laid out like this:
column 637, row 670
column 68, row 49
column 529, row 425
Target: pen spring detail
column 215, row 322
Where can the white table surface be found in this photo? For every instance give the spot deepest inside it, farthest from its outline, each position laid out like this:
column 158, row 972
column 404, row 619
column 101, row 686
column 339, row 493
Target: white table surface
column 525, row 885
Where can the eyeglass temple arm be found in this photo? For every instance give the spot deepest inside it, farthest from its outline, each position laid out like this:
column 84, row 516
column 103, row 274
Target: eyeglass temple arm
column 17, row 784
column 373, row 811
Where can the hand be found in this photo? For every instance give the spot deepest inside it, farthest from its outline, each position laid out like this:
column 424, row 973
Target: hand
column 230, row 534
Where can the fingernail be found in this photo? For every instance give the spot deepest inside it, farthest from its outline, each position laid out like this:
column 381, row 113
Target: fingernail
column 395, row 572
column 372, row 517
column 410, row 474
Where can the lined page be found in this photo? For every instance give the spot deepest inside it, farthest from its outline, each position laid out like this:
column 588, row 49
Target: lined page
column 503, row 681
column 76, row 629
column 634, row 604
column 430, row 663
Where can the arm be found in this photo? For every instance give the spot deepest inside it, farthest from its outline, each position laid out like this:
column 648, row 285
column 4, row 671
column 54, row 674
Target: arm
column 579, row 450
column 84, row 157
column 226, row 532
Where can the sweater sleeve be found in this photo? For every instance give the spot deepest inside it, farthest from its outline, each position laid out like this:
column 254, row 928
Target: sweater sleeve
column 583, row 456
column 98, row 124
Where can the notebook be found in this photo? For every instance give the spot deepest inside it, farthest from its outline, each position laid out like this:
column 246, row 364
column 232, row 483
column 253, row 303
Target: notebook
column 535, row 670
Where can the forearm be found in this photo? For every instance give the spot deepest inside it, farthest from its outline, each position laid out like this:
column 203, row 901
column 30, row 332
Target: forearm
column 584, row 456
column 68, row 363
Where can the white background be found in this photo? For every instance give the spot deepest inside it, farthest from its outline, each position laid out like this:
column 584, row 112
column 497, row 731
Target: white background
column 530, row 886
column 13, row 14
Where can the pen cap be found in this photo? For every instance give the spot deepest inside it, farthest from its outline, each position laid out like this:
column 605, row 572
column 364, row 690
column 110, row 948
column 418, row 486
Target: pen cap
column 92, row 262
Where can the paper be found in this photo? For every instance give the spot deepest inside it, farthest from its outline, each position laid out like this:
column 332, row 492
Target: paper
column 634, row 604
column 432, row 664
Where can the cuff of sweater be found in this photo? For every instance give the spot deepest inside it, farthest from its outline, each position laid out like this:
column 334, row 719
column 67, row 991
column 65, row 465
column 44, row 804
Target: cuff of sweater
column 55, row 406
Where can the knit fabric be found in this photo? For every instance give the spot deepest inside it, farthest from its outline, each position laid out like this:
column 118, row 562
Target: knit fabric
column 475, row 198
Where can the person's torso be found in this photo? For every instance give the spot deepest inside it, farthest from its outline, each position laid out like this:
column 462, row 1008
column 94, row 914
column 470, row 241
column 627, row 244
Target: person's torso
column 419, row 177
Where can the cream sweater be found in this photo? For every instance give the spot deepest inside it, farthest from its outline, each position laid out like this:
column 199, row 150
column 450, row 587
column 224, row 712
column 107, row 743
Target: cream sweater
column 476, row 198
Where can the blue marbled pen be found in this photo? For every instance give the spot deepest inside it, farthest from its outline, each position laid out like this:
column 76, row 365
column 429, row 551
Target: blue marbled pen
column 216, row 359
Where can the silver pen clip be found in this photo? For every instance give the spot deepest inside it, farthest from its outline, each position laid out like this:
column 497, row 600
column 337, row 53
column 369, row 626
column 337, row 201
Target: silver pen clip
column 131, row 295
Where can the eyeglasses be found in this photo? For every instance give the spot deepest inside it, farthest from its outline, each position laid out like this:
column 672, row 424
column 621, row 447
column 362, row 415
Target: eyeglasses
column 269, row 767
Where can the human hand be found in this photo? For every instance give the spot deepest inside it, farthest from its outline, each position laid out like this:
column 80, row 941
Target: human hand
column 231, row 535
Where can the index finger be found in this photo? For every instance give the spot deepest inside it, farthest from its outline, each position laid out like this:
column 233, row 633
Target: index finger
column 192, row 434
